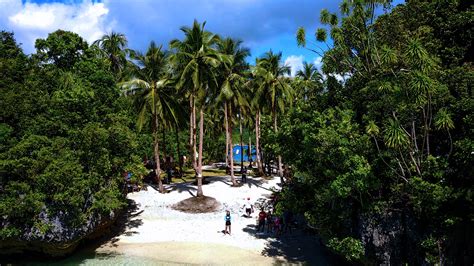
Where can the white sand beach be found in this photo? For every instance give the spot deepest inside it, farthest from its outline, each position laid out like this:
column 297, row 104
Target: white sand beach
column 157, row 231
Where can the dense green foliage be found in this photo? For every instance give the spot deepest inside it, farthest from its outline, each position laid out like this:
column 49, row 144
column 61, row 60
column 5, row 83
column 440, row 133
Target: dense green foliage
column 396, row 135
column 66, row 135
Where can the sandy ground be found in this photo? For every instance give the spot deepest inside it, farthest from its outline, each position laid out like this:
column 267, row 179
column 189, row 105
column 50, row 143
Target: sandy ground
column 155, row 230
column 194, row 253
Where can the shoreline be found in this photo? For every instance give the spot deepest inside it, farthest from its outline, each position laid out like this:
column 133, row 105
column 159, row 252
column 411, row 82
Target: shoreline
column 178, row 252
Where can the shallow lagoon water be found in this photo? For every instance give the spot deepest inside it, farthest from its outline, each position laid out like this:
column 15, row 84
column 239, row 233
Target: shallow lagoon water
column 90, row 257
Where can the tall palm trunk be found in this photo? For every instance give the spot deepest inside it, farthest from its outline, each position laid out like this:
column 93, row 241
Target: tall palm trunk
column 257, row 144
column 191, row 144
column 241, row 142
column 180, row 161
column 226, row 136
column 194, row 136
column 250, row 149
column 231, row 147
column 275, row 128
column 157, row 152
column 199, row 163
column 164, row 145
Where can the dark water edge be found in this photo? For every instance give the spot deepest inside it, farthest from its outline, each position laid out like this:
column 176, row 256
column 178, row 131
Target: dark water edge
column 85, row 250
column 86, row 257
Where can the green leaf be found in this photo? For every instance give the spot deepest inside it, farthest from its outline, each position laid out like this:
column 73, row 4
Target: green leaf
column 301, row 37
column 321, row 35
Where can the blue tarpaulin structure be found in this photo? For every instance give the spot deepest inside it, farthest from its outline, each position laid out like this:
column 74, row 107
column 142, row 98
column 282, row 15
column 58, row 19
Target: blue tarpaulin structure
column 237, row 150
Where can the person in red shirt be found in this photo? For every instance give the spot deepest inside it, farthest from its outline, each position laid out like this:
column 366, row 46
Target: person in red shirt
column 261, row 220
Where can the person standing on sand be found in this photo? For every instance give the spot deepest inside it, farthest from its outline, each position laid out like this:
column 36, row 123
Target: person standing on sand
column 228, row 220
column 269, row 222
column 248, row 208
column 244, row 175
column 277, row 225
column 261, row 221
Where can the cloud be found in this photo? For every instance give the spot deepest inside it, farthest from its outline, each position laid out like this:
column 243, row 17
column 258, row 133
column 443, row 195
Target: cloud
column 318, row 62
column 295, row 62
column 255, row 22
column 341, row 78
column 261, row 24
column 30, row 21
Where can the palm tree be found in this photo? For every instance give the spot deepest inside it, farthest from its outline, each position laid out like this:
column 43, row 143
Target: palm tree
column 243, row 103
column 113, row 45
column 308, row 78
column 272, row 84
column 196, row 59
column 230, row 93
column 151, row 91
column 257, row 104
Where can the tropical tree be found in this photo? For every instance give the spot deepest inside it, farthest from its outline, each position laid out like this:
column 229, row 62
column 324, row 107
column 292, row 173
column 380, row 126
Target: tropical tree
column 231, row 90
column 402, row 84
column 113, row 45
column 150, row 88
column 196, row 60
column 257, row 104
column 272, row 84
column 308, row 81
column 62, row 48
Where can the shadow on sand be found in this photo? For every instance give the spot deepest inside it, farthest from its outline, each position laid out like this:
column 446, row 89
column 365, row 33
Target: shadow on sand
column 298, row 247
column 184, row 187
column 125, row 225
column 251, row 181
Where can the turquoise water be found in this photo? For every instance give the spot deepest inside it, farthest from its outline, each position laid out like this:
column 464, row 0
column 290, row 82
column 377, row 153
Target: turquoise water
column 89, row 257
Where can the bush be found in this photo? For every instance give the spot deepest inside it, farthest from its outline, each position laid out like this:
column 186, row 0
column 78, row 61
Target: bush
column 348, row 247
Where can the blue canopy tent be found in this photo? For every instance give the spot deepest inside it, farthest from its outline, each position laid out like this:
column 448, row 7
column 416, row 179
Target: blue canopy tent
column 237, row 150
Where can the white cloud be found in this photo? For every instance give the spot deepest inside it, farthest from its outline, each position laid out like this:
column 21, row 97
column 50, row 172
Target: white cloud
column 341, row 78
column 295, row 62
column 318, row 62
column 31, row 21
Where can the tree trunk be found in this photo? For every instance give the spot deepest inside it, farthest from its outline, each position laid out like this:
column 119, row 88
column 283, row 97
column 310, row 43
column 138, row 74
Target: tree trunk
column 241, row 142
column 194, row 136
column 157, row 153
column 164, row 146
column 199, row 163
column 231, row 147
column 275, row 128
column 257, row 144
column 250, row 149
column 180, row 161
column 191, row 144
column 226, row 136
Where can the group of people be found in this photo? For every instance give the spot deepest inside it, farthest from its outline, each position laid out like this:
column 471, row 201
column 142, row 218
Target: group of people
column 266, row 221
column 272, row 223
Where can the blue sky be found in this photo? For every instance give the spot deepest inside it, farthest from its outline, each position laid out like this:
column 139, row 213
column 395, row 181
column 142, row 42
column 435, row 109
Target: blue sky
column 261, row 24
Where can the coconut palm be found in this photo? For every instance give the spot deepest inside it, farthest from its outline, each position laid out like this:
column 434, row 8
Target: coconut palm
column 151, row 91
column 196, row 59
column 308, row 81
column 113, row 45
column 230, row 92
column 273, row 86
column 257, row 103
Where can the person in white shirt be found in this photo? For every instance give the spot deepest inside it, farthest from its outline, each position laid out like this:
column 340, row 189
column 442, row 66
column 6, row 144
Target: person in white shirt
column 248, row 208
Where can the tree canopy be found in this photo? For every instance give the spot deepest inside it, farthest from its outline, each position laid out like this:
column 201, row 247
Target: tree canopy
column 379, row 138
